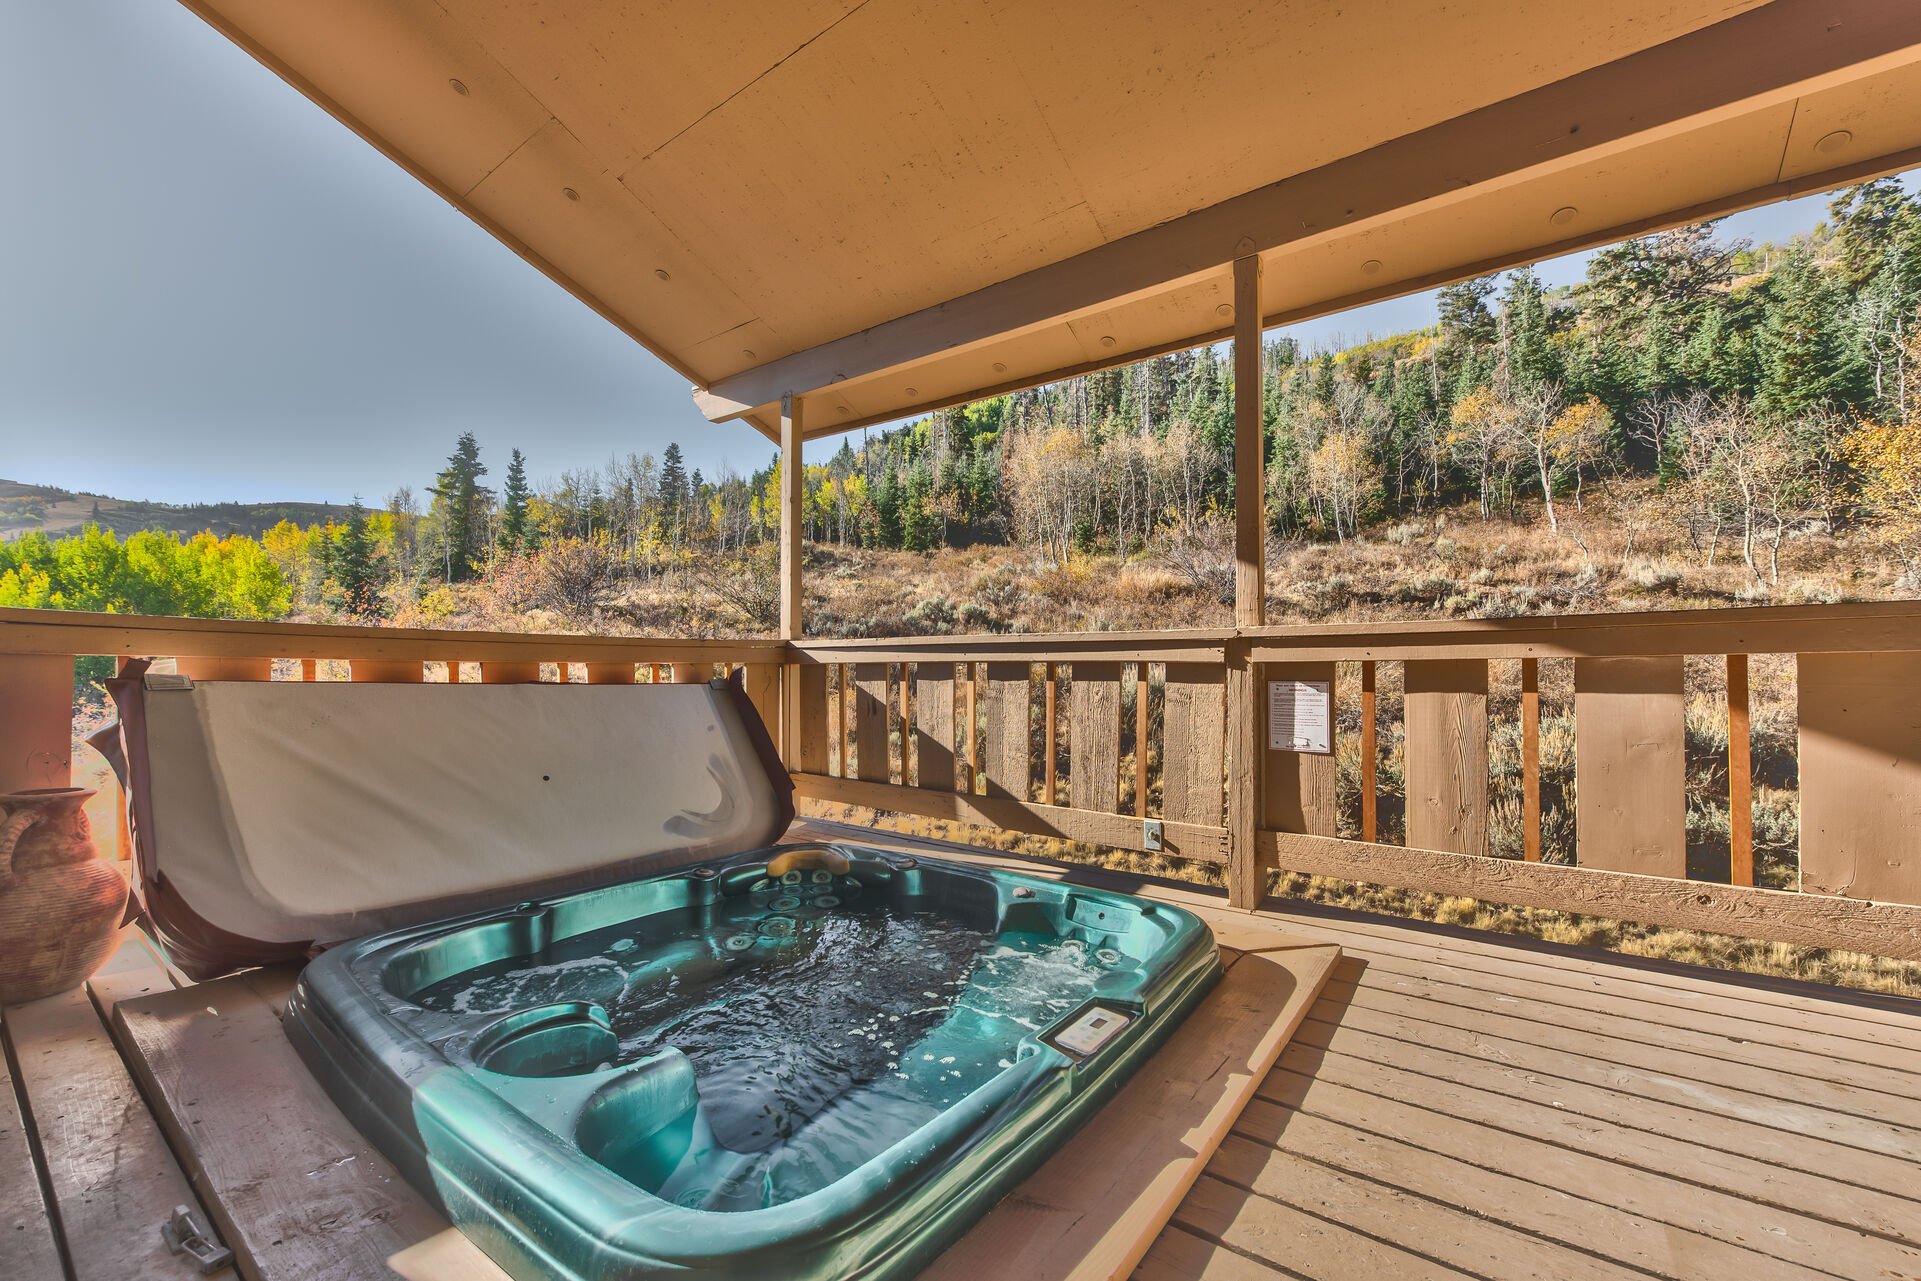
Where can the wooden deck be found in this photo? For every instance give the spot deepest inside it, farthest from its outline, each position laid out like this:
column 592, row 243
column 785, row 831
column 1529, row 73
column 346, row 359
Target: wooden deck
column 1454, row 1105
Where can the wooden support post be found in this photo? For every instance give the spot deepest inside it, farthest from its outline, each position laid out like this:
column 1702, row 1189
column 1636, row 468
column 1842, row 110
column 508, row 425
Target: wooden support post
column 1250, row 450
column 1530, row 759
column 309, row 669
column 509, row 673
column 1370, row 753
column 792, row 478
column 693, row 673
column 610, row 673
column 1244, row 881
column 36, row 721
column 1740, row 776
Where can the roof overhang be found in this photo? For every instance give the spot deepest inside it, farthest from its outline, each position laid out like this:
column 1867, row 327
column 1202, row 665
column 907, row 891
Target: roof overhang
column 887, row 207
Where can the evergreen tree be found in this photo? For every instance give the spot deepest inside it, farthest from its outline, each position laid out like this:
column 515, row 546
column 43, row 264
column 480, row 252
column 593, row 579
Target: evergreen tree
column 1870, row 219
column 514, row 496
column 352, row 567
column 1805, row 361
column 1465, row 317
column 460, row 508
column 1532, row 362
column 673, row 483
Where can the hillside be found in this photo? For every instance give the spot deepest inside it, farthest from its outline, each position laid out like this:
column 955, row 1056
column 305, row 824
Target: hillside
column 25, row 509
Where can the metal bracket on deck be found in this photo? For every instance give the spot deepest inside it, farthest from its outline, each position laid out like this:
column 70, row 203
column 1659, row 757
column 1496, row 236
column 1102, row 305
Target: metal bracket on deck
column 184, row 1235
column 1151, row 834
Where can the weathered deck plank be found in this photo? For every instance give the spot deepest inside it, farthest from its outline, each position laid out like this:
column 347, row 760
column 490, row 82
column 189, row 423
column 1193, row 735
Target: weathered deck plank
column 293, row 1188
column 28, row 1251
column 110, row 1171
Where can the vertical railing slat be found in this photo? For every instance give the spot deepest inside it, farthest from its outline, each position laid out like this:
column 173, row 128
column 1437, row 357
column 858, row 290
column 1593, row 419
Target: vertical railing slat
column 1140, row 739
column 1009, row 768
column 843, row 701
column 906, row 725
column 1094, row 736
column 934, row 725
column 1298, row 789
column 1193, row 743
column 1050, row 775
column 870, row 722
column 1370, row 757
column 1630, row 765
column 1859, row 761
column 1447, row 771
column 1531, row 759
column 809, row 737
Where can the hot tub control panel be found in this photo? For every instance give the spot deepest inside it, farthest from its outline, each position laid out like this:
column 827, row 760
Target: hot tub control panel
column 1092, row 1029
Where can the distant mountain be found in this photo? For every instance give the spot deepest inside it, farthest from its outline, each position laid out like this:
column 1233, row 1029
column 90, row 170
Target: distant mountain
column 26, row 508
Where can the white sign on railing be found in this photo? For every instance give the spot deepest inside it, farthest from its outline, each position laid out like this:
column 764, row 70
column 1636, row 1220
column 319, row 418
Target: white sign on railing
column 1300, row 716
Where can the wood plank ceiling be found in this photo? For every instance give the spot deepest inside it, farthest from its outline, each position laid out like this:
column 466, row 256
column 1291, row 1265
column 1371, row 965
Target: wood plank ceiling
column 887, row 205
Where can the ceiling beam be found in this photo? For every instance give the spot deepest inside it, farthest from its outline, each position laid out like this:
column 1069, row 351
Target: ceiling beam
column 1773, row 53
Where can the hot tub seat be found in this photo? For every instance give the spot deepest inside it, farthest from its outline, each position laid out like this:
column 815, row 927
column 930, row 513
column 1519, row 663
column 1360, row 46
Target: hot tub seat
column 577, row 1080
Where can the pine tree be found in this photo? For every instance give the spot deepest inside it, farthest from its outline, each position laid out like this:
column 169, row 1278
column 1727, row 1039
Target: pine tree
column 513, row 514
column 352, row 566
column 673, row 483
column 460, row 508
column 1464, row 314
column 1532, row 362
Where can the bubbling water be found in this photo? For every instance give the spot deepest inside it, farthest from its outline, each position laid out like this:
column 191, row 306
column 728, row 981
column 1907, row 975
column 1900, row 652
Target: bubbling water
column 822, row 1028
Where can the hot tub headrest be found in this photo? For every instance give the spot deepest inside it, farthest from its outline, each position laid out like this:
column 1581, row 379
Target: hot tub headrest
column 270, row 817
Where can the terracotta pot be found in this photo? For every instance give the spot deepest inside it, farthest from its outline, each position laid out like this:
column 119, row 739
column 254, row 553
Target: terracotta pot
column 60, row 904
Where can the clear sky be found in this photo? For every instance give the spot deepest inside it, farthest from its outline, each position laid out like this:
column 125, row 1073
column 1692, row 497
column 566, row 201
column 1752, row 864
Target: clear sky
column 210, row 291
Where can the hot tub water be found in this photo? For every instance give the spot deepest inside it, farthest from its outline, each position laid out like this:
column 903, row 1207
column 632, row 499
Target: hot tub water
column 823, row 1024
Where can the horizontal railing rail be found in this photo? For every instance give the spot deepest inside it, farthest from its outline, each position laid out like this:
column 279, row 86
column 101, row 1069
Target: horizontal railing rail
column 1547, row 762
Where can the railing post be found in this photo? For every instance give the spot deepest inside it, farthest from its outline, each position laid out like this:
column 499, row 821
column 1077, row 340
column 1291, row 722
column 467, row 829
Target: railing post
column 1740, row 776
column 792, row 618
column 1244, row 887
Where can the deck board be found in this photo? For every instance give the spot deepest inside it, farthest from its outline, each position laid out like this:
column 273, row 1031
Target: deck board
column 295, row 1191
column 28, row 1250
column 110, row 1171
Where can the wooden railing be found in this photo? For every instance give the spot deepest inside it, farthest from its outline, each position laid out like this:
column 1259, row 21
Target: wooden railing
column 1158, row 742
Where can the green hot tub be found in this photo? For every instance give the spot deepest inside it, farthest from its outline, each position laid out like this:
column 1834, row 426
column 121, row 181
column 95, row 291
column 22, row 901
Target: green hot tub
column 820, row 1061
